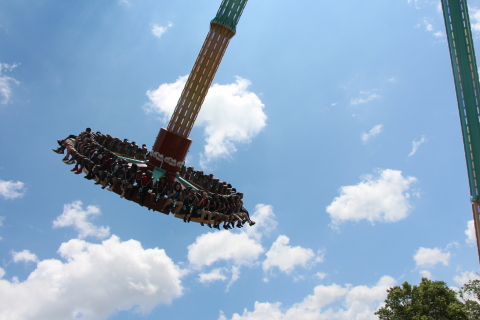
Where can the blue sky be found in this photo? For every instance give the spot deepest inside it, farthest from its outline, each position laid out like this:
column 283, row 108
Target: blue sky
column 336, row 119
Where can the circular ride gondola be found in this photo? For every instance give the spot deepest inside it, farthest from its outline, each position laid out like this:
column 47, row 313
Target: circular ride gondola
column 157, row 178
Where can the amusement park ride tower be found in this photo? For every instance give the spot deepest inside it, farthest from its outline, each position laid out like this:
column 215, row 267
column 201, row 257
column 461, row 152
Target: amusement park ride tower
column 467, row 86
column 172, row 144
column 140, row 174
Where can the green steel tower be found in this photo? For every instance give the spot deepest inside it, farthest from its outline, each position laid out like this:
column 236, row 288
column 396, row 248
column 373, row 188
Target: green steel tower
column 172, row 144
column 464, row 65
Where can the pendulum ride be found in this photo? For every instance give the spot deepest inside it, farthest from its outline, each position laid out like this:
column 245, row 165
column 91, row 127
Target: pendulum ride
column 167, row 157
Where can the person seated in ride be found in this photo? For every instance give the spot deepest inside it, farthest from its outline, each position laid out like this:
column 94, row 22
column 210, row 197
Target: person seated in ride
column 92, row 157
column 241, row 215
column 144, row 185
column 223, row 210
column 129, row 179
column 118, row 174
column 130, row 192
column 121, row 147
column 159, row 190
column 141, row 153
column 174, row 202
column 61, row 148
column 107, row 140
column 101, row 170
column 232, row 216
column 132, row 150
column 215, row 206
column 202, row 208
column 81, row 160
column 189, row 204
column 68, row 144
column 112, row 172
column 243, row 211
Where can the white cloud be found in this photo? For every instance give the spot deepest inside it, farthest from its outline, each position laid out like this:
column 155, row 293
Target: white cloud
column 416, row 145
column 426, row 257
column 214, row 275
column 96, row 281
column 384, row 198
column 358, row 302
column 235, row 276
column 237, row 248
column 264, row 221
column 372, row 133
column 321, row 275
column 470, row 232
column 427, row 24
column 2, row 273
column 1, row 220
column 230, row 115
column 12, row 189
column 285, row 257
column 74, row 216
column 25, row 256
column 158, row 30
column 6, row 82
column 365, row 96
column 466, row 276
column 474, row 14
column 426, row 274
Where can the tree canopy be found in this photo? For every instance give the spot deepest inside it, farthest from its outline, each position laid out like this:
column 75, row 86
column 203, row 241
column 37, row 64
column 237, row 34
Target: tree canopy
column 431, row 300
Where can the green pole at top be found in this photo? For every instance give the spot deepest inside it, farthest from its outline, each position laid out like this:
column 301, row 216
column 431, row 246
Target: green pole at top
column 229, row 13
column 464, row 65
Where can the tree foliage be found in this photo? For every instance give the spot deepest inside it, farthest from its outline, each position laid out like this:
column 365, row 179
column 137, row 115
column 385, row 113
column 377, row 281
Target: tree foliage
column 470, row 294
column 430, row 300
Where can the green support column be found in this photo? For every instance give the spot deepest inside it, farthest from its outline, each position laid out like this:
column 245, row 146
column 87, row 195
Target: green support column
column 464, row 65
column 229, row 13
column 465, row 73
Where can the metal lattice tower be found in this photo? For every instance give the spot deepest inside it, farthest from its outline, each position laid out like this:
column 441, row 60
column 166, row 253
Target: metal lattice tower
column 464, row 65
column 222, row 29
column 172, row 144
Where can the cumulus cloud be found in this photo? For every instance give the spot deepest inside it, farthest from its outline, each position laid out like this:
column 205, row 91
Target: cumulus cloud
column 75, row 216
column 416, row 144
column 158, row 30
column 383, row 198
column 230, row 114
column 358, row 302
column 6, row 82
column 470, row 232
column 372, row 133
column 214, row 275
column 466, row 276
column 12, row 189
column 474, row 14
column 236, row 248
column 25, row 256
column 426, row 274
column 264, row 221
column 427, row 257
column 365, row 96
column 94, row 282
column 321, row 275
column 285, row 257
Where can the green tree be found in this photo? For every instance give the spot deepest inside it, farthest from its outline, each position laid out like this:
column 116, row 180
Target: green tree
column 430, row 300
column 470, row 291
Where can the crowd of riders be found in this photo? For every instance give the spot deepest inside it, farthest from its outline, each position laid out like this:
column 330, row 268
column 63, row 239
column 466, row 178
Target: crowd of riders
column 97, row 155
